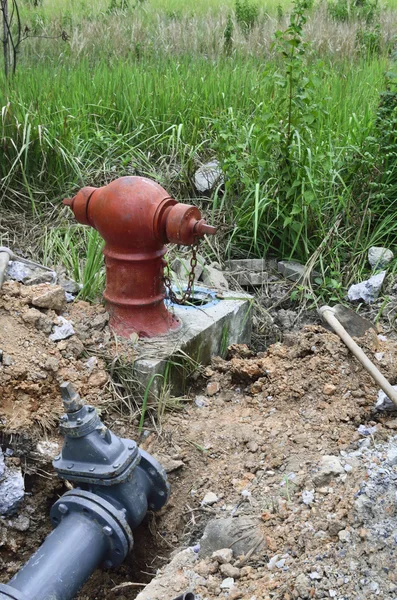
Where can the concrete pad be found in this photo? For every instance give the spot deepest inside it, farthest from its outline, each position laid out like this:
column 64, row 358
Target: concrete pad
column 206, row 331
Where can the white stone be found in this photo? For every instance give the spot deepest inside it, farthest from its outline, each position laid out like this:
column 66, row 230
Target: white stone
column 367, row 290
column 383, row 402
column 227, row 583
column 344, row 536
column 208, row 176
column 273, row 561
column 392, row 456
column 308, row 497
column 209, row 499
column 379, row 257
column 62, row 331
column 223, row 556
column 329, row 467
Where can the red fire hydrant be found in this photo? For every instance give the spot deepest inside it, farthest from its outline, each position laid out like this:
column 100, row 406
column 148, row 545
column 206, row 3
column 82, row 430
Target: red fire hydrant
column 136, row 217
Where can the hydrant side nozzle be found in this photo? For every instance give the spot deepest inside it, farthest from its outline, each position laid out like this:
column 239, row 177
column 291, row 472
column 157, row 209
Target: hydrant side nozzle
column 184, row 225
column 202, row 228
column 79, row 204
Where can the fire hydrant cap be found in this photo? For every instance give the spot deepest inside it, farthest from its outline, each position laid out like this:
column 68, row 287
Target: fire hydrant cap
column 79, row 204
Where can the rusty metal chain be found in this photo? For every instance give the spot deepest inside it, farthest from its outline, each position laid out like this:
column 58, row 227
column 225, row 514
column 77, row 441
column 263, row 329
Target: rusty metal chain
column 188, row 291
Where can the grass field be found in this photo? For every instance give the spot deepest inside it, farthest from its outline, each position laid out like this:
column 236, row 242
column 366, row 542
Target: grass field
column 156, row 88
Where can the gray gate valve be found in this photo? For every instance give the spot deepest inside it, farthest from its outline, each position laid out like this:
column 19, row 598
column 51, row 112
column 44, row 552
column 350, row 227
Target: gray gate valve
column 117, row 483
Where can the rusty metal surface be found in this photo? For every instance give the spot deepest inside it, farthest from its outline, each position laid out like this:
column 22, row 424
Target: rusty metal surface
column 136, row 216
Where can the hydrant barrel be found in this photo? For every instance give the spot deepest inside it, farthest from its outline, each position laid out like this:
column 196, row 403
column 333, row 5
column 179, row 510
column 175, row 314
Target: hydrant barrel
column 136, row 217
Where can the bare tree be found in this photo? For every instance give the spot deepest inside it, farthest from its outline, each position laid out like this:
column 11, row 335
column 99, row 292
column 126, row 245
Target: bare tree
column 14, row 35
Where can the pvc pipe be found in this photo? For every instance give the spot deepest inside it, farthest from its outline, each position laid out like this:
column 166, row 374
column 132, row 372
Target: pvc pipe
column 328, row 314
column 63, row 563
column 4, row 259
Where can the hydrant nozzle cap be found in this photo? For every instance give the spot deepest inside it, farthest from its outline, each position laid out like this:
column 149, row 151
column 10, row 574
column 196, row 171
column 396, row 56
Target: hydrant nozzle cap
column 79, row 204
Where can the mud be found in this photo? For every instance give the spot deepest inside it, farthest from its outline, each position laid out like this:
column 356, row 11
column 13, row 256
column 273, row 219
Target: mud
column 256, row 443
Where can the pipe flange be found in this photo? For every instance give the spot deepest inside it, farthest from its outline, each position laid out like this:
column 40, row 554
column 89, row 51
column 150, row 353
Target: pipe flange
column 160, row 488
column 7, row 592
column 113, row 522
column 80, row 423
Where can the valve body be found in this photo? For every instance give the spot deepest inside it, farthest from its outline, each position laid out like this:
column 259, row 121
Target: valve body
column 136, row 217
column 117, row 483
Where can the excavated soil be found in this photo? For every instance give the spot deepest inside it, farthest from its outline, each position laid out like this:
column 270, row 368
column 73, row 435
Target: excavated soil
column 253, row 433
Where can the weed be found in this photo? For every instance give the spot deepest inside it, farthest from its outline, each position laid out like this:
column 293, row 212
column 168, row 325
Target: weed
column 247, row 14
column 228, row 35
column 362, row 10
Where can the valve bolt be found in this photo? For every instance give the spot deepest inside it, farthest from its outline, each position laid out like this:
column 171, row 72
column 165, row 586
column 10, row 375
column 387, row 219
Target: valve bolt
column 107, row 530
column 70, row 466
column 63, row 509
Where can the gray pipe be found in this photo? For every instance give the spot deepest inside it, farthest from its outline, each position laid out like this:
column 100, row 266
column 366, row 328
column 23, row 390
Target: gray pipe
column 4, row 260
column 63, row 563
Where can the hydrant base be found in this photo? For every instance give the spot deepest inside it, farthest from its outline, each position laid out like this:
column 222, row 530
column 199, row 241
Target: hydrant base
column 147, row 321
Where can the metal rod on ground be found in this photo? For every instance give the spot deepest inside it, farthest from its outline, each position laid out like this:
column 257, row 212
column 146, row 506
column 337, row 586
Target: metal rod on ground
column 327, row 313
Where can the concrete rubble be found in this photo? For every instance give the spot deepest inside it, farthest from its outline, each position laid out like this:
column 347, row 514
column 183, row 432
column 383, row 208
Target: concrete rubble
column 208, row 176
column 367, row 290
column 379, row 257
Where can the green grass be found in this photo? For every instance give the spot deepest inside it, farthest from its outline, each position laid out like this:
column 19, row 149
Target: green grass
column 154, row 91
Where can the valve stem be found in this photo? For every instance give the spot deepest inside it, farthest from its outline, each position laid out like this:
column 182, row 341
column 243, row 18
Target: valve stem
column 70, row 398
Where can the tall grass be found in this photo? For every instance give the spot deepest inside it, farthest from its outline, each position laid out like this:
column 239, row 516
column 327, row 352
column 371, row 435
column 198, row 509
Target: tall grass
column 154, row 90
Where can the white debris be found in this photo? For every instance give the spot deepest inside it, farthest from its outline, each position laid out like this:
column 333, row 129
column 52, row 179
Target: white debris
column 308, row 497
column 208, row 176
column 379, row 257
column 367, row 290
column 209, row 499
column 383, row 401
column 62, row 331
column 227, row 583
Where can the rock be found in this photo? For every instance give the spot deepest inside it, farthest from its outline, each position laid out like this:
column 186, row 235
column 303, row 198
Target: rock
column 379, row 257
column 223, row 556
column 251, row 271
column 208, row 176
column 392, row 456
column 12, row 488
column 18, row 271
column 201, row 401
column 100, row 321
column 329, row 467
column 308, row 497
column 98, row 379
column 39, row 276
column 213, row 388
column 294, row 270
column 383, row 402
column 49, row 296
column 344, row 536
column 303, row 586
column 273, row 561
column 243, row 534
column 6, row 360
column 209, row 499
column 62, row 331
column 227, row 583
column 182, row 267
column 21, row 523
column 367, row 290
column 213, row 278
column 252, row 446
column 169, row 464
column 69, row 285
column 228, row 570
column 329, row 389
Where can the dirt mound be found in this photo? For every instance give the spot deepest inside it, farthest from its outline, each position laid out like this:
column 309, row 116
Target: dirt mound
column 286, row 441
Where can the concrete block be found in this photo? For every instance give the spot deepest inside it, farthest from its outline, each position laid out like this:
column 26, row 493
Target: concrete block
column 206, row 331
column 294, row 270
column 251, row 271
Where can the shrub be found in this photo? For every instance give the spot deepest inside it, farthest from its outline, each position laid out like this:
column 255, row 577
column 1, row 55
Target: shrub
column 247, row 14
